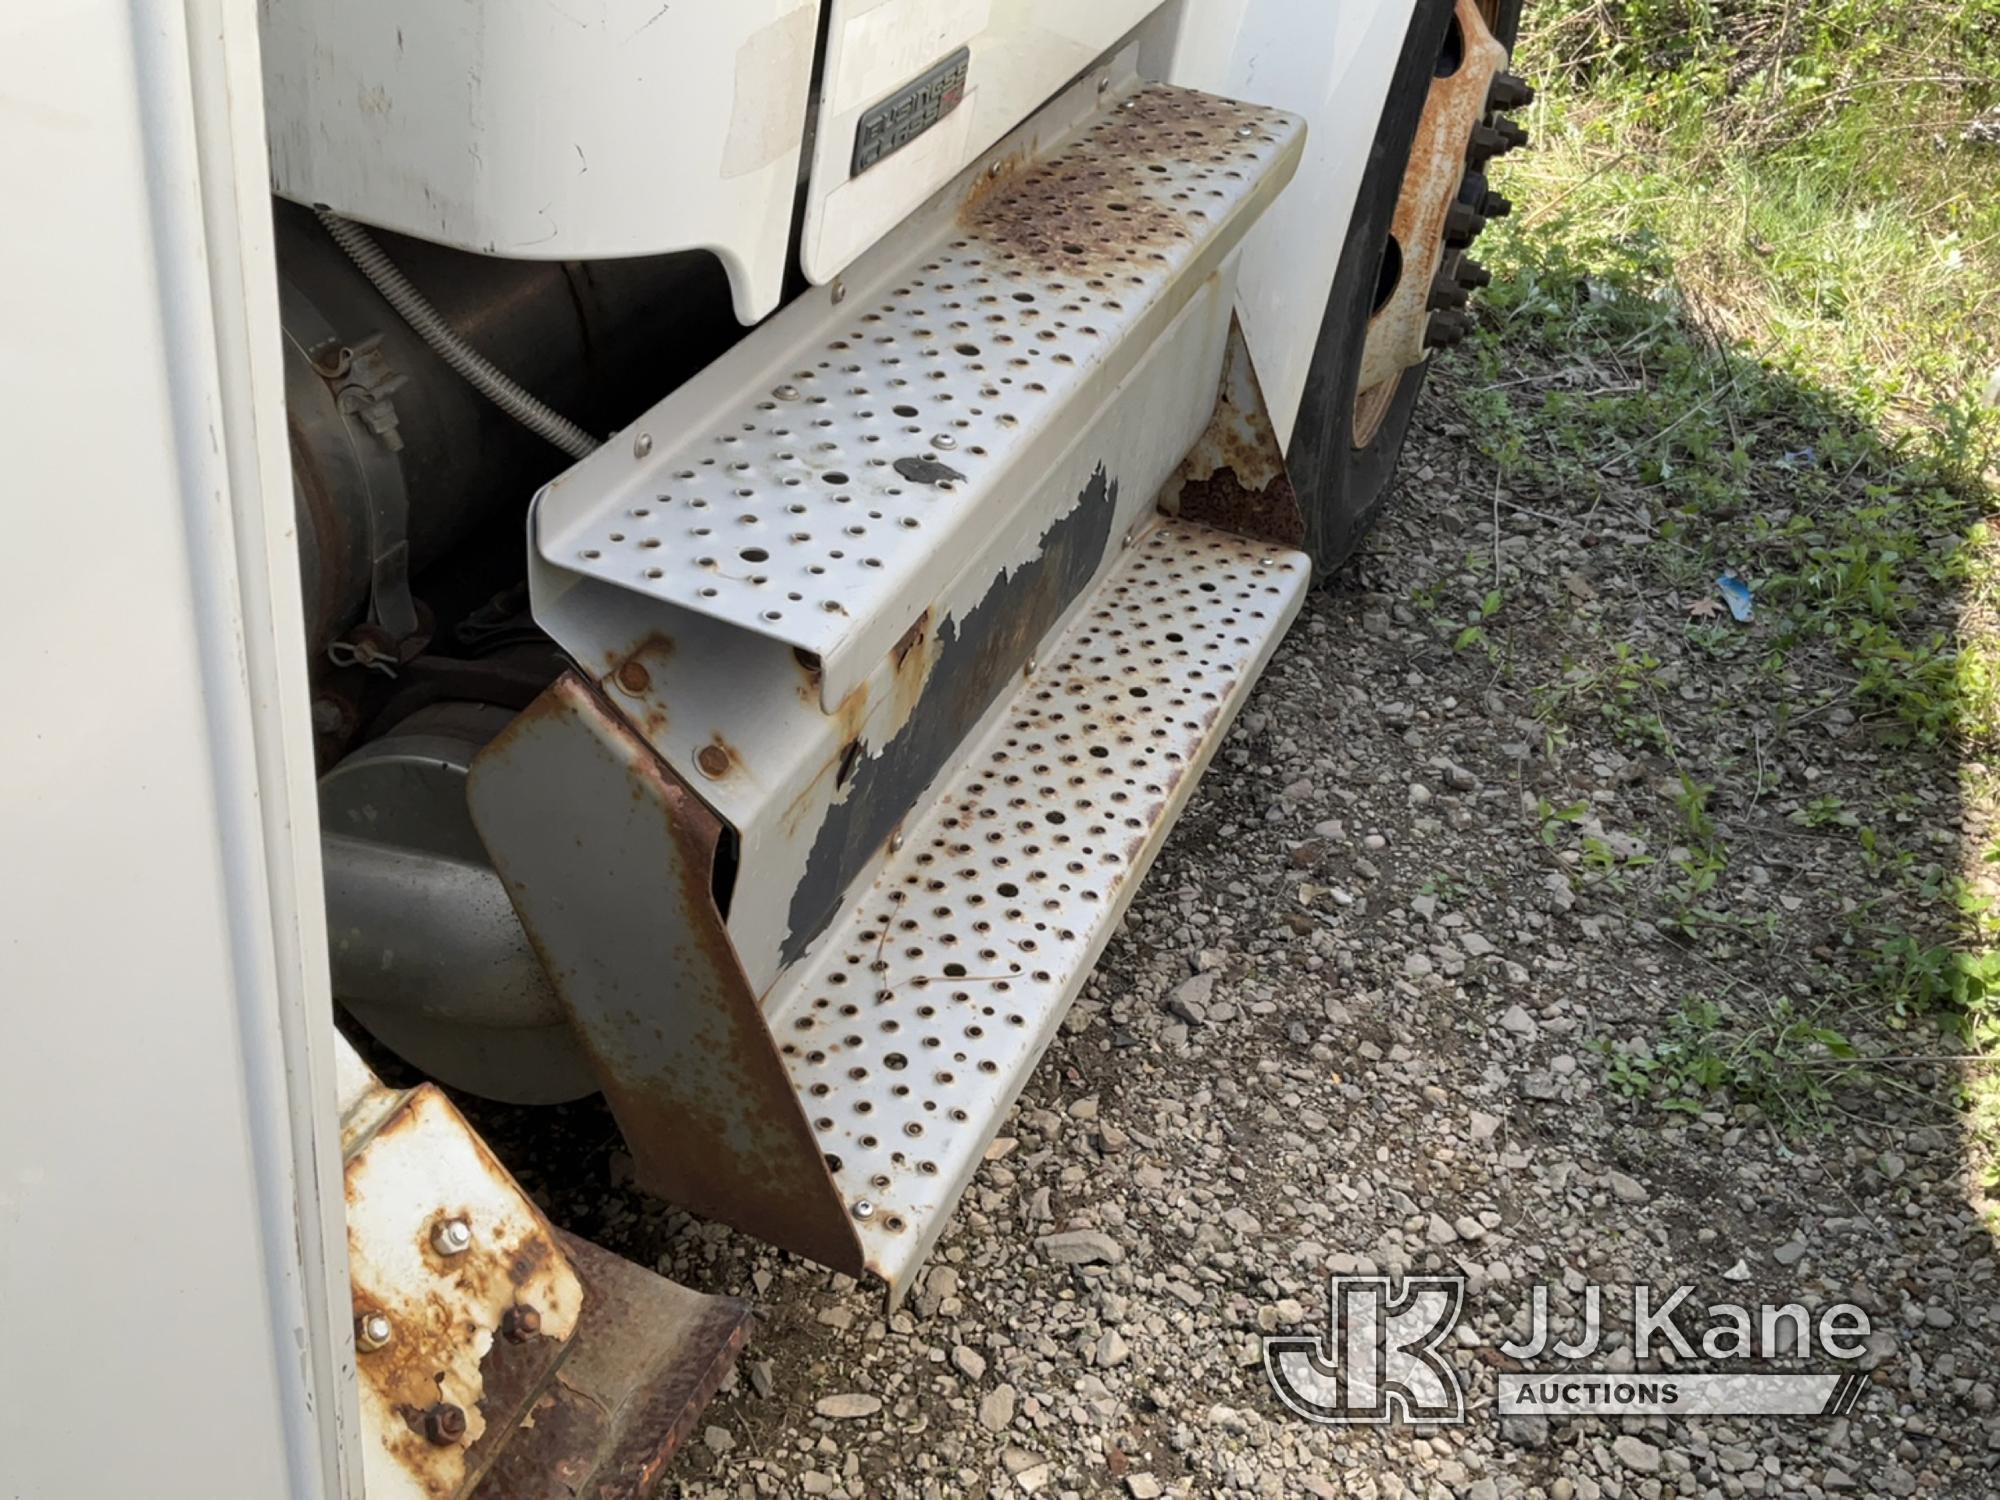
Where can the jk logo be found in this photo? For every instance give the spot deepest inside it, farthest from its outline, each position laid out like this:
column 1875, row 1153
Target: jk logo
column 1382, row 1362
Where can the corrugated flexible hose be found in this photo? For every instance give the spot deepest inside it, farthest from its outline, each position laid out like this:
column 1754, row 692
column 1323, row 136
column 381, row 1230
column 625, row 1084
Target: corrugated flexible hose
column 429, row 325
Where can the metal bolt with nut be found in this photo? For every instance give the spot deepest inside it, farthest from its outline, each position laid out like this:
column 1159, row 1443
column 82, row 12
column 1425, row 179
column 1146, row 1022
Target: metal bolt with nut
column 451, row 1237
column 373, row 1331
column 520, row 1323
column 444, row 1424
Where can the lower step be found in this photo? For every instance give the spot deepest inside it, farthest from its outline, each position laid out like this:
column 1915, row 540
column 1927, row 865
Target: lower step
column 911, row 1032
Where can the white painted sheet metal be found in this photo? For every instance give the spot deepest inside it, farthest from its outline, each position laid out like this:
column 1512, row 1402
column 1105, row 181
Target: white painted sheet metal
column 918, row 1021
column 551, row 129
column 1020, row 53
column 170, row 1234
column 793, row 490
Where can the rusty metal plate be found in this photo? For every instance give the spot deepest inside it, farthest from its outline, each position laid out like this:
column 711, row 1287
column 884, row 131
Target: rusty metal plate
column 911, row 1031
column 1234, row 477
column 649, row 1355
column 796, row 489
column 610, row 861
column 417, row 1187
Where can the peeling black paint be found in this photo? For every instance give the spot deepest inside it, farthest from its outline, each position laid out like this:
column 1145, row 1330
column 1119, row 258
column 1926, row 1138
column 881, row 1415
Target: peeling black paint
column 979, row 656
column 926, row 470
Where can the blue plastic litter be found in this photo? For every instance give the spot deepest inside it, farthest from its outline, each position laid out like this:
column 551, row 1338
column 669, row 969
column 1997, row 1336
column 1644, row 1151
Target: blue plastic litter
column 1736, row 594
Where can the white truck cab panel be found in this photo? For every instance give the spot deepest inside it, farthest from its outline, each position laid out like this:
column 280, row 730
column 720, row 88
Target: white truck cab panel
column 550, row 129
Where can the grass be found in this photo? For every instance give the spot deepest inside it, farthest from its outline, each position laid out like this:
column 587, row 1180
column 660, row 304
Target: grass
column 1796, row 177
column 1759, row 261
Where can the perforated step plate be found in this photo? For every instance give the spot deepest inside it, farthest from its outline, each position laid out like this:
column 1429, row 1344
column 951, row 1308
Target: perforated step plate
column 820, row 483
column 912, row 1031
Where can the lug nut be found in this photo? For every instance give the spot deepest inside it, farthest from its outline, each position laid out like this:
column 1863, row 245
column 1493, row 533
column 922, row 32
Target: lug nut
column 1446, row 329
column 1484, row 143
column 451, row 1237
column 1511, row 134
column 1446, row 292
column 444, row 1424
column 373, row 1331
column 1472, row 274
column 1495, row 205
column 520, row 1323
column 1509, row 91
column 1462, row 223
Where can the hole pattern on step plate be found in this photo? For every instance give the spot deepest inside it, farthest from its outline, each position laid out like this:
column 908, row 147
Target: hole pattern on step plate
column 792, row 517
column 915, row 1023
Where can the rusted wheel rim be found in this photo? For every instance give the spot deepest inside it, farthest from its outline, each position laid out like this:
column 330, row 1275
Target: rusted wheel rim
column 1467, row 65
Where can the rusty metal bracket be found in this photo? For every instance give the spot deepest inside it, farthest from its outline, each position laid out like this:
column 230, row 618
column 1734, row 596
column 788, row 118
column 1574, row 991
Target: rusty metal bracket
column 650, row 1353
column 464, row 1306
column 1235, row 477
column 593, row 834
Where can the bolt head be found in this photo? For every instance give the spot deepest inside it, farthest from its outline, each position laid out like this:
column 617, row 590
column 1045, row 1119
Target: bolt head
column 713, row 760
column 451, row 1237
column 786, row 392
column 373, row 1331
column 840, row 292
column 863, row 1209
column 444, row 1424
column 642, row 445
column 896, row 843
column 944, row 440
column 520, row 1323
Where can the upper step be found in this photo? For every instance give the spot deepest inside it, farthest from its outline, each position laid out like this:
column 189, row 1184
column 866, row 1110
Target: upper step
column 824, row 480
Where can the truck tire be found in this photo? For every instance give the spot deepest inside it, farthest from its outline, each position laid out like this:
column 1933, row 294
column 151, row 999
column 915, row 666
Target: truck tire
column 1344, row 468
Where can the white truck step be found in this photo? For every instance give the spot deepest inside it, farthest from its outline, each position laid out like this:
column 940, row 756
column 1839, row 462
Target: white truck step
column 914, row 1028
column 864, row 446
column 891, row 677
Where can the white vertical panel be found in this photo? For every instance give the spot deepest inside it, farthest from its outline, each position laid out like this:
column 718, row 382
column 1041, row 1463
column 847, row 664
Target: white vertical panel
column 168, row 1266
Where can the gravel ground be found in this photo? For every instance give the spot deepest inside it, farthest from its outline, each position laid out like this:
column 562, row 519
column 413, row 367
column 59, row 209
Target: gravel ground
column 1363, row 1017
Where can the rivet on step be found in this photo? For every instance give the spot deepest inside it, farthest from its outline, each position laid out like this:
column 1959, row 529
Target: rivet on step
column 1028, row 667
column 839, row 292
column 373, row 1331
column 944, row 440
column 1246, row 131
column 634, row 678
column 451, row 1237
column 1103, row 82
column 895, row 843
column 864, row 1209
column 642, row 445
column 713, row 760
column 786, row 392
column 993, row 169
